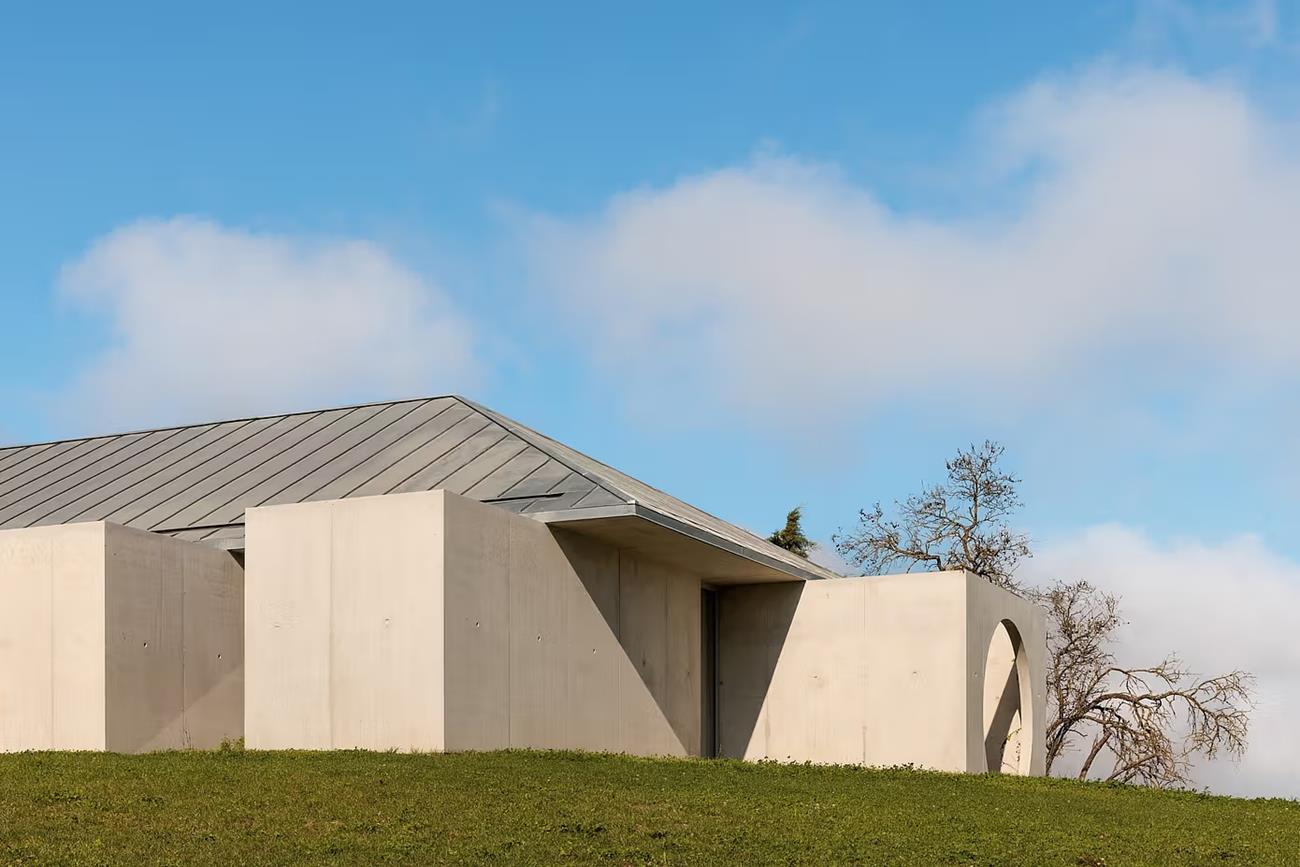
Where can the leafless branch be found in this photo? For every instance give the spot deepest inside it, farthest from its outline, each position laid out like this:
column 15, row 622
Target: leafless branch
column 962, row 523
column 1139, row 725
column 1149, row 722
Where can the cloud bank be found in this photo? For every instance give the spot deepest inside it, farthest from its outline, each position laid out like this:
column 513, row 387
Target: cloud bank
column 1150, row 229
column 1233, row 604
column 206, row 321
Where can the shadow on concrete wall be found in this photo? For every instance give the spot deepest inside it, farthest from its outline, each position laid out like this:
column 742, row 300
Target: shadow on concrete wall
column 753, row 623
column 669, row 665
column 999, row 726
column 204, row 723
column 1005, row 671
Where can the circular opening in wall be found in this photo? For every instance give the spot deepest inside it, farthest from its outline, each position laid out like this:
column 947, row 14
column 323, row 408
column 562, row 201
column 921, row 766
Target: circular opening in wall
column 1006, row 738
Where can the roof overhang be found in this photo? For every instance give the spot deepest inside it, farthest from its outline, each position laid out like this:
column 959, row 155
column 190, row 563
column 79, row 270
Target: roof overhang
column 660, row 537
column 654, row 535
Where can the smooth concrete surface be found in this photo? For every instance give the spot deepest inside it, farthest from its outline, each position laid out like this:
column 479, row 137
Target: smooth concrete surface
column 989, row 607
column 429, row 621
column 344, row 624
column 555, row 640
column 52, row 638
column 876, row 671
column 1003, row 725
column 117, row 639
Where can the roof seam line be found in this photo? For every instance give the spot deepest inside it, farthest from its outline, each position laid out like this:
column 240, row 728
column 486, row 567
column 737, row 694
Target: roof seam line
column 216, row 473
column 346, row 415
column 530, row 436
column 379, row 451
column 180, row 427
column 355, row 427
column 415, row 448
column 170, row 435
column 218, row 438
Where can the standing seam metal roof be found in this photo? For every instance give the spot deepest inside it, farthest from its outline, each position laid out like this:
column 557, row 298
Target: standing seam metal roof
column 194, row 482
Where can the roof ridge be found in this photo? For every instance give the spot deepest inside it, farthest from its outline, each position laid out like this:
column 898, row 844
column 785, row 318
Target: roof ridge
column 530, row 435
column 588, row 483
column 175, row 427
column 548, row 447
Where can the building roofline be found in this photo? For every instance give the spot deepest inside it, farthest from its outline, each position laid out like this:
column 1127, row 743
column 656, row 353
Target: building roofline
column 236, row 420
column 700, row 534
column 594, row 513
column 630, row 495
column 688, row 525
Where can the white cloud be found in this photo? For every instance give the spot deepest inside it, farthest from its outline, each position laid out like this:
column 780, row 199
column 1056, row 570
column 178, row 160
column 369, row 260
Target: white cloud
column 1222, row 606
column 207, row 321
column 1165, row 25
column 1152, row 227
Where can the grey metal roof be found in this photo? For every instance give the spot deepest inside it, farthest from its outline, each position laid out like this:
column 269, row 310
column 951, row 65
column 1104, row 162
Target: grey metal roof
column 195, row 482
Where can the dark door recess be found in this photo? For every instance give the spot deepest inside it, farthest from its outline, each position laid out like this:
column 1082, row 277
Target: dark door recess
column 709, row 673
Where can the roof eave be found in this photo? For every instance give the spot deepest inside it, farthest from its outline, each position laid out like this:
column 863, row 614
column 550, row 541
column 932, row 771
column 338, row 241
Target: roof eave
column 575, row 517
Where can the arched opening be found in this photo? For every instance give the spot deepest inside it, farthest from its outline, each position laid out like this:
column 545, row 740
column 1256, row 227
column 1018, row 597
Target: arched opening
column 1007, row 705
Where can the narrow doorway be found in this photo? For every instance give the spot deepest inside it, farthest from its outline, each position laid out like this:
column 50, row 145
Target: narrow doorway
column 708, row 672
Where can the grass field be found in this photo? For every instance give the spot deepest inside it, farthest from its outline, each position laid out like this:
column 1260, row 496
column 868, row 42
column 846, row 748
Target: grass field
column 540, row 808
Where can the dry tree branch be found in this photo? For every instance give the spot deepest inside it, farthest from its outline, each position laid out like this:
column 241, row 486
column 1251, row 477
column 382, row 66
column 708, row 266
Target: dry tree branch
column 1142, row 725
column 959, row 524
column 1150, row 722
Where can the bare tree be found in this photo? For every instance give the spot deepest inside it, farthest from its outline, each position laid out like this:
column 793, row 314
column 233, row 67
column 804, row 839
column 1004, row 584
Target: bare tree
column 962, row 523
column 1140, row 724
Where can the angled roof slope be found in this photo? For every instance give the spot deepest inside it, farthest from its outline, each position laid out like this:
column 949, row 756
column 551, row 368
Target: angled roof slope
column 195, row 482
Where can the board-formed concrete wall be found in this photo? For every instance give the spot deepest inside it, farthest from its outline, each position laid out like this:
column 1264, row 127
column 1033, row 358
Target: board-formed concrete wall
column 117, row 639
column 875, row 671
column 428, row 621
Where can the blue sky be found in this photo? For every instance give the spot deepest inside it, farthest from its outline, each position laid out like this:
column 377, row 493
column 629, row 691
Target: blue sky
column 755, row 254
column 423, row 128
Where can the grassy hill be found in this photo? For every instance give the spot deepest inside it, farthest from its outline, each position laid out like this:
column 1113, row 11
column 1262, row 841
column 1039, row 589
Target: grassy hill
column 245, row 807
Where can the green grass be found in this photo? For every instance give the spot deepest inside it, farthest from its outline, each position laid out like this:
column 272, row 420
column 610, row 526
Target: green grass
column 519, row 807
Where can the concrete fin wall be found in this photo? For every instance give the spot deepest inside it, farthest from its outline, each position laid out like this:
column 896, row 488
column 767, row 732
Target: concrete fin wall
column 558, row 641
column 52, row 638
column 344, row 624
column 174, row 643
column 117, row 639
column 993, row 613
column 428, row 621
column 878, row 671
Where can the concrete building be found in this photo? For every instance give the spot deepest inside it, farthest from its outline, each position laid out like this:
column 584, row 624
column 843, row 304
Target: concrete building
column 431, row 575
